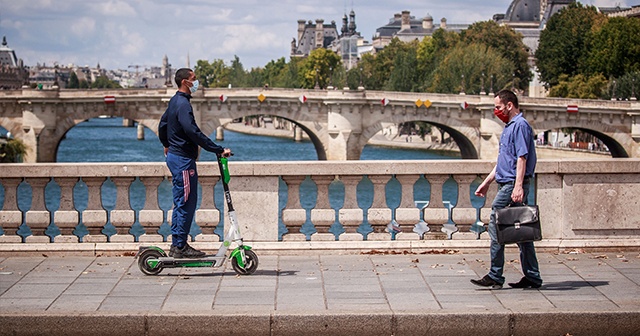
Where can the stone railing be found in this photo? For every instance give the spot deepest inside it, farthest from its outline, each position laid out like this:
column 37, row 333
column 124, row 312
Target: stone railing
column 313, row 205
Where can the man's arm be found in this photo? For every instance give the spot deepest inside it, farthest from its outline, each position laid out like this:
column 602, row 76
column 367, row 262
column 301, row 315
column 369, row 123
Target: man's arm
column 517, row 195
column 484, row 186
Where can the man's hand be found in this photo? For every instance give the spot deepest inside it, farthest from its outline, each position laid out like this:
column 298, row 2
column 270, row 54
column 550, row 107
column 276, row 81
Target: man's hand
column 482, row 189
column 166, row 150
column 226, row 153
column 517, row 195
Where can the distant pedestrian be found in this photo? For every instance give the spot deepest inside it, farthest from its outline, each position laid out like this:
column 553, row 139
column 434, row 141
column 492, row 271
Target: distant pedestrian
column 513, row 171
column 181, row 137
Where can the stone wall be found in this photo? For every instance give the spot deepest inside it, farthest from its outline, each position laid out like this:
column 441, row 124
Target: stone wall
column 345, row 205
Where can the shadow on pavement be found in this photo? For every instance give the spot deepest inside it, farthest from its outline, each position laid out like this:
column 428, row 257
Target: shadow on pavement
column 572, row 285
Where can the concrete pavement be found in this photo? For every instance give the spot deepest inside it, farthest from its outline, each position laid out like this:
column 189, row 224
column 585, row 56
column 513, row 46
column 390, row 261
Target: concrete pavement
column 321, row 294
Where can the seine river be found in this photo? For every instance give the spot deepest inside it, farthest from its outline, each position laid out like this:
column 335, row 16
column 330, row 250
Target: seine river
column 105, row 140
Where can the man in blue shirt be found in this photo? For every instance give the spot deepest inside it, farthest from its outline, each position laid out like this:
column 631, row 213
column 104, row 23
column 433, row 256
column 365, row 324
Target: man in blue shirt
column 181, row 137
column 513, row 171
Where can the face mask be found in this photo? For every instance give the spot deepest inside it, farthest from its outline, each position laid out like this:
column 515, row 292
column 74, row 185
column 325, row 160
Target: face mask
column 194, row 86
column 498, row 113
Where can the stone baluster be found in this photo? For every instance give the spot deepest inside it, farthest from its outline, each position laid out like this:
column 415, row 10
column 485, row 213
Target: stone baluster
column 351, row 215
column 38, row 217
column 407, row 213
column 379, row 215
column 323, row 216
column 464, row 213
column 293, row 215
column 10, row 215
column 436, row 213
column 94, row 217
column 66, row 217
column 485, row 211
column 122, row 216
column 151, row 216
column 208, row 216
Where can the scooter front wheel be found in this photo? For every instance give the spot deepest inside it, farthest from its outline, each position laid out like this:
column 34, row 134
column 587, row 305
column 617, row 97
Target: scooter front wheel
column 144, row 265
column 250, row 265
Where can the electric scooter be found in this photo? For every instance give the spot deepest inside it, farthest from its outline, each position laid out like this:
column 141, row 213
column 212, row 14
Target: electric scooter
column 152, row 259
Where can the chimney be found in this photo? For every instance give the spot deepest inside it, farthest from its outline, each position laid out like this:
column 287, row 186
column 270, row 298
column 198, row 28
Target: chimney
column 300, row 29
column 443, row 23
column 319, row 33
column 427, row 22
column 406, row 20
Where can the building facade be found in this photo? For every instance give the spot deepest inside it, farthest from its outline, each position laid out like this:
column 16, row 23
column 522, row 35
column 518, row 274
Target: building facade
column 13, row 74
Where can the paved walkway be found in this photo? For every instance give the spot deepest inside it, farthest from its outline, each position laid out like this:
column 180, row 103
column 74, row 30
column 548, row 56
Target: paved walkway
column 314, row 294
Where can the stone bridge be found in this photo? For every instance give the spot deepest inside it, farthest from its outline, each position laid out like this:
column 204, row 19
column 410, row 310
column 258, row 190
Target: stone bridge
column 339, row 123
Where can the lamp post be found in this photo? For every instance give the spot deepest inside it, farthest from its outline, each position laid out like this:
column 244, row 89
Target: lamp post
column 462, row 85
column 633, row 89
column 491, row 86
column 361, row 87
column 317, row 87
column 330, row 87
column 482, row 85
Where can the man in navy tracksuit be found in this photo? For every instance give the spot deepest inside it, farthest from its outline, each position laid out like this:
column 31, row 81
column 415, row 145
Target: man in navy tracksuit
column 181, row 136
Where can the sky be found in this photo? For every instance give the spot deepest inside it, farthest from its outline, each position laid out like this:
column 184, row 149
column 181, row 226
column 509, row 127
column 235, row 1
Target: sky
column 118, row 34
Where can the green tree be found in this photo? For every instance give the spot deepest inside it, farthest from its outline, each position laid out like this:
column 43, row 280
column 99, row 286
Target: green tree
column 563, row 47
column 615, row 48
column 12, row 150
column 316, row 68
column 83, row 84
column 467, row 67
column 507, row 42
column 580, row 86
column 237, row 74
column 103, row 82
column 214, row 74
column 73, row 81
column 403, row 76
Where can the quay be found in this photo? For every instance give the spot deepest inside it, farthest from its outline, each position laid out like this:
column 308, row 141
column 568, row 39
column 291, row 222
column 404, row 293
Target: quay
column 348, row 275
column 372, row 293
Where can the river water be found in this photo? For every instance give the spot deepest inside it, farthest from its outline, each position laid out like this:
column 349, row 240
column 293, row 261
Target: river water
column 106, row 140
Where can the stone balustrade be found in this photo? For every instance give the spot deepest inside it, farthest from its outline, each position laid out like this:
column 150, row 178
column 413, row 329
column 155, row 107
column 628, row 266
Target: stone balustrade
column 314, row 205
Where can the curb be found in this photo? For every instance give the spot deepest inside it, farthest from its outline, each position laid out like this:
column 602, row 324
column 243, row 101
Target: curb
column 285, row 324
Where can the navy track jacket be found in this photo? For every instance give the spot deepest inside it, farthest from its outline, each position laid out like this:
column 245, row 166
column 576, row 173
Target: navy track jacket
column 179, row 132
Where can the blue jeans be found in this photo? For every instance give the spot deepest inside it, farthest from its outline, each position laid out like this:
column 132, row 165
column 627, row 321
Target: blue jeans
column 528, row 258
column 185, row 197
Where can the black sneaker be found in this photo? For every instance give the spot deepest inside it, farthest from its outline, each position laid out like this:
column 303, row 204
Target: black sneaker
column 486, row 281
column 186, row 252
column 524, row 283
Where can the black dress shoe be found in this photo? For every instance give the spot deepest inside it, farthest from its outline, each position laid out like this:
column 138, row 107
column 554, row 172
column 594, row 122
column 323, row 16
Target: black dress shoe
column 486, row 281
column 524, row 283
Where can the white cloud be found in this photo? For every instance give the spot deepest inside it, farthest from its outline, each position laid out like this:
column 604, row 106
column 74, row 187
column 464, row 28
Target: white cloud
column 115, row 8
column 83, row 27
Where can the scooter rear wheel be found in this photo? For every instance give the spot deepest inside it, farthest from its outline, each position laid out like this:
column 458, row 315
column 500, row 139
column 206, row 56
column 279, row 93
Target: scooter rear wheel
column 250, row 266
column 144, row 265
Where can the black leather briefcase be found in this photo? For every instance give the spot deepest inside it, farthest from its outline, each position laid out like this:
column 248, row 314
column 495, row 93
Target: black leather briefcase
column 517, row 224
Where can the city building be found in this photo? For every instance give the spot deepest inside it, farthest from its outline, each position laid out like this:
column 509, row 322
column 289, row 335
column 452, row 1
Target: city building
column 407, row 28
column 13, row 74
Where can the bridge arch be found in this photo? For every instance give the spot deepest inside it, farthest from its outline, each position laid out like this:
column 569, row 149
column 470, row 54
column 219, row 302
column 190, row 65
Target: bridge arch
column 463, row 134
column 619, row 143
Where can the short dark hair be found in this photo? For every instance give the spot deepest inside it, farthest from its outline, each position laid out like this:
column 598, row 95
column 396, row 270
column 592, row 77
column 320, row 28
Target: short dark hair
column 182, row 73
column 507, row 96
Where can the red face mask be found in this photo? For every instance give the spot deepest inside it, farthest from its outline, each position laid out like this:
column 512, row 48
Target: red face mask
column 498, row 113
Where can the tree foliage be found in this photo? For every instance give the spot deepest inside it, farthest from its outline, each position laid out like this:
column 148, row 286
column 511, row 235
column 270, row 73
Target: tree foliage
column 73, row 81
column 103, row 82
column 507, row 42
column 580, row 86
column 563, row 47
column 317, row 68
column 615, row 48
column 470, row 69
column 12, row 150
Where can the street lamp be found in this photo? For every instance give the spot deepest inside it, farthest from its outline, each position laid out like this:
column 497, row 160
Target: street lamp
column 361, row 87
column 317, row 87
column 633, row 89
column 482, row 84
column 462, row 85
column 330, row 87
